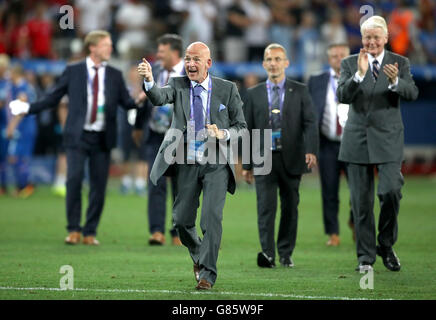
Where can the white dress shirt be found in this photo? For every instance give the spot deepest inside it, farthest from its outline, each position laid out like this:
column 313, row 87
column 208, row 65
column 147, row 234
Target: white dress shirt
column 357, row 78
column 203, row 95
column 177, row 70
column 329, row 117
column 99, row 124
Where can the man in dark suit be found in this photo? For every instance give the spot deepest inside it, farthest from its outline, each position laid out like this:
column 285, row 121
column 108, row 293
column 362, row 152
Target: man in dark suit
column 285, row 108
column 373, row 82
column 158, row 121
column 203, row 106
column 322, row 88
column 95, row 89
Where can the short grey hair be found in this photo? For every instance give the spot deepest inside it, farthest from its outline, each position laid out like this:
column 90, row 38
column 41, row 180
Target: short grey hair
column 275, row 46
column 374, row 22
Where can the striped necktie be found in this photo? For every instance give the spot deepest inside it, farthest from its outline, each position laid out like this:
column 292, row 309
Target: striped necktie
column 375, row 69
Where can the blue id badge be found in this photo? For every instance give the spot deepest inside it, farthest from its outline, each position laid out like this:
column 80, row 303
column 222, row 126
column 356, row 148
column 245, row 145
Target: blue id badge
column 196, row 150
column 276, row 140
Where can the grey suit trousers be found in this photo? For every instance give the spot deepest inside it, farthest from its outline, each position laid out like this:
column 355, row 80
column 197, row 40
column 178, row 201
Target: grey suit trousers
column 361, row 183
column 191, row 179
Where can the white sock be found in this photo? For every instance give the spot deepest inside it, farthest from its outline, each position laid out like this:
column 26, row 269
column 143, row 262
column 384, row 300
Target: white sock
column 60, row 180
column 140, row 183
column 127, row 181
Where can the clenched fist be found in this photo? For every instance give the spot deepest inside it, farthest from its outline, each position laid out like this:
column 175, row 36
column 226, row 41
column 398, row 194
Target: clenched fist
column 144, row 69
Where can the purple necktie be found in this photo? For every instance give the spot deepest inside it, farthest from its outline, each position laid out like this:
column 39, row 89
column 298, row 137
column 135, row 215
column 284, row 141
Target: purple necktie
column 198, row 109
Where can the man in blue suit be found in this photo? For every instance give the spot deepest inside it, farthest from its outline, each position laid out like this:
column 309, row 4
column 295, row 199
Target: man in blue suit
column 95, row 89
column 322, row 88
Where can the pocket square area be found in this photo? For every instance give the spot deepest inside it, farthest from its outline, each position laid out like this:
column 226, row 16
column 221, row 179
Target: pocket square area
column 222, row 107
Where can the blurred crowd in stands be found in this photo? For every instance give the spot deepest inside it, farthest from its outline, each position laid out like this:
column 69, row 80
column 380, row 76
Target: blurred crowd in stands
column 236, row 30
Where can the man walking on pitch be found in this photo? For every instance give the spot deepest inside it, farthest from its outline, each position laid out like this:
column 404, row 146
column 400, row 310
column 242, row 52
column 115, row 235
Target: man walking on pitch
column 202, row 103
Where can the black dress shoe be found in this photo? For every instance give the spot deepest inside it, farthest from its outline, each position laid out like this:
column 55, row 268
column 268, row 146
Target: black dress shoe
column 264, row 261
column 287, row 262
column 390, row 259
column 364, row 266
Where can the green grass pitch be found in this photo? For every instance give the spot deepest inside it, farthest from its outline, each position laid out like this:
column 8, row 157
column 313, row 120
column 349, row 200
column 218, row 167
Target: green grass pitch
column 126, row 267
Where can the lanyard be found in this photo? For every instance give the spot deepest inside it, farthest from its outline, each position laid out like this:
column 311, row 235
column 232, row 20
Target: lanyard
column 209, row 93
column 268, row 90
column 334, row 87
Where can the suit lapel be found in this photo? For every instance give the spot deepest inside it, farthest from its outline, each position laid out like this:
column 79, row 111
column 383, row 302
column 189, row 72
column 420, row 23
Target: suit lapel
column 84, row 83
column 263, row 99
column 107, row 78
column 214, row 101
column 186, row 101
column 382, row 80
column 286, row 102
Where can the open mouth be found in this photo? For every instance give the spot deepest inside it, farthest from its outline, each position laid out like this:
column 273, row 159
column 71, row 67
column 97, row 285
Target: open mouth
column 192, row 72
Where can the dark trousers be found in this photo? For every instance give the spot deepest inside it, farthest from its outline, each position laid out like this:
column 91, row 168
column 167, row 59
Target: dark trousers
column 361, row 181
column 91, row 148
column 157, row 194
column 266, row 192
column 330, row 173
column 191, row 180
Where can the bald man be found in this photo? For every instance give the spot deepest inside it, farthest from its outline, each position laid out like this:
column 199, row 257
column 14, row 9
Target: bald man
column 207, row 115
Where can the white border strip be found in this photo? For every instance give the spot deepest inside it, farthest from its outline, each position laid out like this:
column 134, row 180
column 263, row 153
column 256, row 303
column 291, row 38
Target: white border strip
column 259, row 295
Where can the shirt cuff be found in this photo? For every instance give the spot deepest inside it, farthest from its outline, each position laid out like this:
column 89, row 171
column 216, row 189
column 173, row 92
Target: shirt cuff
column 227, row 134
column 393, row 86
column 357, row 78
column 148, row 85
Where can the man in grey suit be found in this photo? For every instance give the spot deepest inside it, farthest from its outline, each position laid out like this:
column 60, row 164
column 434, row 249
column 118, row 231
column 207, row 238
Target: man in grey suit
column 203, row 106
column 283, row 106
column 374, row 137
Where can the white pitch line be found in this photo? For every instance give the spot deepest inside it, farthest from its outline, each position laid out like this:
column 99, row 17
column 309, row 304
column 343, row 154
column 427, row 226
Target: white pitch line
column 266, row 295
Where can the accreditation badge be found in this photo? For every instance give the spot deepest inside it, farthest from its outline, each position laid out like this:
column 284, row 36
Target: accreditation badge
column 276, row 137
column 196, row 150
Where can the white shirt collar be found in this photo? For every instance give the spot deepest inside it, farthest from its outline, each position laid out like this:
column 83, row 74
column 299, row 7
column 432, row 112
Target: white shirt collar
column 332, row 72
column 204, row 84
column 90, row 63
column 379, row 58
column 178, row 68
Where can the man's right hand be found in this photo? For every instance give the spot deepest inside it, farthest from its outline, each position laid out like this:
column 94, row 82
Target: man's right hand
column 19, row 107
column 144, row 69
column 248, row 176
column 362, row 63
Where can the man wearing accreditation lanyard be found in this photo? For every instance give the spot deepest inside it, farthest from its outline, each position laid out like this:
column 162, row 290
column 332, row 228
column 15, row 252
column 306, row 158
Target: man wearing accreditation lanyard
column 372, row 83
column 284, row 107
column 203, row 106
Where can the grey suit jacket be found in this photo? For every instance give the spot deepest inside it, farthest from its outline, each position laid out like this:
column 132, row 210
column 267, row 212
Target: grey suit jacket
column 374, row 132
column 299, row 123
column 177, row 91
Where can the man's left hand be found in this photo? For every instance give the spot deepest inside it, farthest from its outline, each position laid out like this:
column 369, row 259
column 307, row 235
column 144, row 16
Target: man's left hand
column 213, row 131
column 391, row 71
column 310, row 160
